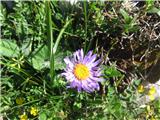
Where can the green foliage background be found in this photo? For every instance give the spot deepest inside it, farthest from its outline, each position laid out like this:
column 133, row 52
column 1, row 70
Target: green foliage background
column 37, row 35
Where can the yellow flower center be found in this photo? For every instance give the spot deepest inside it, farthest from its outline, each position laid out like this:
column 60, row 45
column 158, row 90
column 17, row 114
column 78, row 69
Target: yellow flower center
column 81, row 71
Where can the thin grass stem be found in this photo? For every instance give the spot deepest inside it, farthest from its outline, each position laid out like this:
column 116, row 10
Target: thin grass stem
column 85, row 18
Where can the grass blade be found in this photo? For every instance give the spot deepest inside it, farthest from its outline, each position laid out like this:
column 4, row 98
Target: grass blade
column 85, row 18
column 50, row 38
column 60, row 36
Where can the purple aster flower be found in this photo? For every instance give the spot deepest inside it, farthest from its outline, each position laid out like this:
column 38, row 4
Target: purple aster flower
column 83, row 72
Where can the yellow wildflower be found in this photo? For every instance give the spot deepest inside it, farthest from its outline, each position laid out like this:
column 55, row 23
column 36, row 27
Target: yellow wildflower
column 20, row 101
column 140, row 88
column 34, row 111
column 151, row 97
column 152, row 90
column 23, row 117
column 151, row 93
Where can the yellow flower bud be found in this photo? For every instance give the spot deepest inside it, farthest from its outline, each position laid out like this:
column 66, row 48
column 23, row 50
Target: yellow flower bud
column 20, row 101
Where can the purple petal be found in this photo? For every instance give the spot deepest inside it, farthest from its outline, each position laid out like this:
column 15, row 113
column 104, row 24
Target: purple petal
column 94, row 85
column 94, row 64
column 68, row 62
column 89, row 54
column 79, row 88
column 80, row 55
column 95, row 79
column 75, row 57
column 91, row 59
column 85, row 86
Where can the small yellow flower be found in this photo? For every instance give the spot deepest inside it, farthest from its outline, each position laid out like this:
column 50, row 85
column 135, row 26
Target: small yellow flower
column 23, row 117
column 140, row 88
column 152, row 90
column 20, row 101
column 151, row 97
column 34, row 111
column 151, row 93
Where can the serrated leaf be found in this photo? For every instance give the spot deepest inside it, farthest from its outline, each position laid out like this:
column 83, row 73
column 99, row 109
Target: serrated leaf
column 9, row 48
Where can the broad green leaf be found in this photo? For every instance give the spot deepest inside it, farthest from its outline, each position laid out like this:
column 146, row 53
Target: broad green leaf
column 42, row 116
column 9, row 48
column 40, row 58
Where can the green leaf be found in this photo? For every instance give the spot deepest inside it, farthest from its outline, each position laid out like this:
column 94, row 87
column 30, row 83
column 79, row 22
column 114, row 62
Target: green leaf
column 127, row 18
column 112, row 72
column 40, row 58
column 111, row 91
column 154, row 10
column 60, row 36
column 9, row 48
column 149, row 3
column 42, row 116
column 50, row 38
